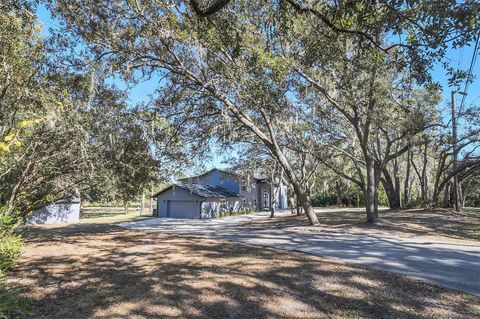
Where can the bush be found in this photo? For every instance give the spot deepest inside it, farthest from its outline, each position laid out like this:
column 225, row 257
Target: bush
column 11, row 245
column 10, row 249
column 12, row 303
column 323, row 200
column 472, row 201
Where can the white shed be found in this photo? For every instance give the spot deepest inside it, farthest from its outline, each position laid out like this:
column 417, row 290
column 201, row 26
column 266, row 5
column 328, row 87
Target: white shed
column 66, row 210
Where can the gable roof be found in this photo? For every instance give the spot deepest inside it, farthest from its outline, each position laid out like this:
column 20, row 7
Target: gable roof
column 256, row 179
column 204, row 191
column 207, row 173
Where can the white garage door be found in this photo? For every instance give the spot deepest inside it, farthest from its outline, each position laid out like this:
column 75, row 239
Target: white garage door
column 182, row 209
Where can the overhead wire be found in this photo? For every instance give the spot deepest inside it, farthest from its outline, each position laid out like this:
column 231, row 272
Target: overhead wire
column 469, row 75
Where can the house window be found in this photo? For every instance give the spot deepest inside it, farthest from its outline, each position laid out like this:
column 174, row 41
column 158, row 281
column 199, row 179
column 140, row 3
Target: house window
column 255, row 203
column 243, row 184
column 223, row 204
column 244, row 202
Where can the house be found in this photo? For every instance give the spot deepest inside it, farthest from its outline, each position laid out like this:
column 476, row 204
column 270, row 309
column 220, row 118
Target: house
column 216, row 191
column 66, row 210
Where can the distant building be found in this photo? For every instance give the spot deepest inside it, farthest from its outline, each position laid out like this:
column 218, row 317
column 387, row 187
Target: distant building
column 215, row 191
column 66, row 210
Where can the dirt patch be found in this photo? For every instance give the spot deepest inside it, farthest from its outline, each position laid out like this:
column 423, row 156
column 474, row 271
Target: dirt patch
column 100, row 271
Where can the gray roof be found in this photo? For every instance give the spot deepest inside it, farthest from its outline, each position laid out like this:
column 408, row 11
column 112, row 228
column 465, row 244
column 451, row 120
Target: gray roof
column 205, row 191
column 181, row 180
column 206, row 173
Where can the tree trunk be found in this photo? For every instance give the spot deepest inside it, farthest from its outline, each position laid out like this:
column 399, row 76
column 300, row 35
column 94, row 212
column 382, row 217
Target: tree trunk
column 392, row 189
column 397, row 187
column 406, row 184
column 272, row 199
column 272, row 211
column 461, row 196
column 338, row 191
column 371, row 192
column 125, row 207
column 424, row 173
column 308, row 209
column 291, row 201
column 142, row 206
column 150, row 204
column 446, row 196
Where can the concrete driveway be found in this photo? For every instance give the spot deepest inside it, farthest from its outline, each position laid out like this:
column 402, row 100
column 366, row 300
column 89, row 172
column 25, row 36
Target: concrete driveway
column 450, row 264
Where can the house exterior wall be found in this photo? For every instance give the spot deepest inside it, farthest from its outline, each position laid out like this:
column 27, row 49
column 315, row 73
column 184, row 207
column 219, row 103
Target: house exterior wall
column 214, row 205
column 249, row 194
column 264, row 203
column 56, row 213
column 282, row 199
column 281, row 196
column 175, row 194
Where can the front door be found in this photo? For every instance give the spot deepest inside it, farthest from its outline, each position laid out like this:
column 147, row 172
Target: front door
column 266, row 200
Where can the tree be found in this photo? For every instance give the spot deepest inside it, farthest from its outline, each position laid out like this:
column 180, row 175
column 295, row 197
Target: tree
column 203, row 68
column 232, row 74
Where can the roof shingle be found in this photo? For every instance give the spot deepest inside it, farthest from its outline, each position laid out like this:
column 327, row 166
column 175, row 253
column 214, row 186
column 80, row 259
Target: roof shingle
column 205, row 191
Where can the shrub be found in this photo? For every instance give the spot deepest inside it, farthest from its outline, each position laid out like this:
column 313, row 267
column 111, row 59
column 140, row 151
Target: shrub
column 322, row 200
column 10, row 249
column 11, row 245
column 12, row 303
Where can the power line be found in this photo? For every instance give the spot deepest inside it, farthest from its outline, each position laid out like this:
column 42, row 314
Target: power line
column 469, row 75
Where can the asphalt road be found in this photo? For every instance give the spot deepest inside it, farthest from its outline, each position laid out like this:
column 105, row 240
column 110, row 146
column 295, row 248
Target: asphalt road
column 450, row 264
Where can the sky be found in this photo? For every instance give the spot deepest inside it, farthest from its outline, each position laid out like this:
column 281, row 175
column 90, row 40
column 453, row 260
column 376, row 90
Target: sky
column 457, row 58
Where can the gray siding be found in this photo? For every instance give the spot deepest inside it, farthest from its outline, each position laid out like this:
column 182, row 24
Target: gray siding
column 249, row 193
column 212, row 205
column 176, row 194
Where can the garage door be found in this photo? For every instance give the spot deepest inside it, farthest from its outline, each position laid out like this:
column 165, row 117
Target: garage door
column 182, row 209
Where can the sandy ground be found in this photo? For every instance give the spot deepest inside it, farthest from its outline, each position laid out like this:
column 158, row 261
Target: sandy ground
column 103, row 271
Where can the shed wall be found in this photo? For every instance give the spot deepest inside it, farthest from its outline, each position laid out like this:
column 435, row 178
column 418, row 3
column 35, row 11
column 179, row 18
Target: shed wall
column 56, row 214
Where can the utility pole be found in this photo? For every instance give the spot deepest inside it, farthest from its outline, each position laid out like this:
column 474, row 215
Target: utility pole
column 455, row 152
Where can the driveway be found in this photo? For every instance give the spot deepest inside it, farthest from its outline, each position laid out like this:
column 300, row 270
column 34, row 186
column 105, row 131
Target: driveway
column 450, row 264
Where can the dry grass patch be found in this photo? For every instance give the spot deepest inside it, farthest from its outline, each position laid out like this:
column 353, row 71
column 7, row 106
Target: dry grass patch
column 101, row 271
column 111, row 214
column 444, row 223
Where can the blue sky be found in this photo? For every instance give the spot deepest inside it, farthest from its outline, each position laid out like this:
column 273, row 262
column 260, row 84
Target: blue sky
column 458, row 58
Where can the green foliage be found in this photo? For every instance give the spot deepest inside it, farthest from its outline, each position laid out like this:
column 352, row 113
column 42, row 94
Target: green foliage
column 12, row 302
column 472, row 201
column 323, row 200
column 11, row 245
column 225, row 213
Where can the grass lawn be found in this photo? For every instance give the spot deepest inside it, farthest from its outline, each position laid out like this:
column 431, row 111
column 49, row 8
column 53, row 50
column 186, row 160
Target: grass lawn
column 103, row 271
column 442, row 223
column 111, row 214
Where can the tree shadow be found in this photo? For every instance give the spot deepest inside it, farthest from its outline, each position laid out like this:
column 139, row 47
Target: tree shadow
column 100, row 271
column 405, row 222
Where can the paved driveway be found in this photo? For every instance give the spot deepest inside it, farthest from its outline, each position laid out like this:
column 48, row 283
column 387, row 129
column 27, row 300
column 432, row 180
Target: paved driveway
column 454, row 265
